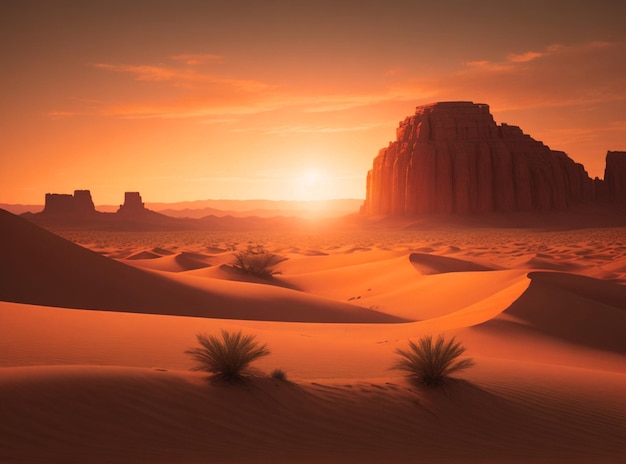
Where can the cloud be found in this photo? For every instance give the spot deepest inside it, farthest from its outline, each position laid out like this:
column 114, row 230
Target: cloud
column 185, row 77
column 524, row 57
column 197, row 93
column 553, row 77
column 193, row 92
column 233, row 179
column 141, row 72
column 219, row 120
column 183, row 111
column 310, row 129
column 341, row 101
column 237, row 97
column 194, row 59
column 488, row 66
column 586, row 133
column 556, row 76
column 510, row 63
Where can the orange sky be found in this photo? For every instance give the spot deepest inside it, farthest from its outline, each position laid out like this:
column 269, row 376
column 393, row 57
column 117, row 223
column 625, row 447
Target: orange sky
column 185, row 100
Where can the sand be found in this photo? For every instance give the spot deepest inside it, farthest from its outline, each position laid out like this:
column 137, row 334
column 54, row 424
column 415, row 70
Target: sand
column 93, row 332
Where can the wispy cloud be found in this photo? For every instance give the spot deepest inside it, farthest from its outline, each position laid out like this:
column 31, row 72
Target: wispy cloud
column 194, row 59
column 341, row 102
column 310, row 129
column 553, row 77
column 488, row 66
column 558, row 75
column 155, row 111
column 230, row 179
column 205, row 93
column 512, row 61
column 524, row 57
column 143, row 72
column 241, row 100
column 396, row 91
column 219, row 120
column 582, row 133
column 182, row 77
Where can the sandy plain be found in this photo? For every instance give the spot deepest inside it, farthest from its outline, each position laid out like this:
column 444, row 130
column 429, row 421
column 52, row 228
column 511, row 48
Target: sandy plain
column 94, row 325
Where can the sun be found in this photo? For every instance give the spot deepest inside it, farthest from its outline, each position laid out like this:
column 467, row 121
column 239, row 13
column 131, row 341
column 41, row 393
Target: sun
column 312, row 177
column 311, row 184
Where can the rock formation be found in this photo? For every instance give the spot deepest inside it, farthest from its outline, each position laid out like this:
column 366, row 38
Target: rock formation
column 452, row 157
column 78, row 204
column 132, row 204
column 78, row 211
column 615, row 176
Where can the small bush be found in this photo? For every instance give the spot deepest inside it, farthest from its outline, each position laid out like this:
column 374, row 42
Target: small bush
column 279, row 374
column 432, row 363
column 228, row 357
column 255, row 260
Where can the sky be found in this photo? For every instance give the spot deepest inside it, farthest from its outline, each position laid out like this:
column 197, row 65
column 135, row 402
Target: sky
column 285, row 100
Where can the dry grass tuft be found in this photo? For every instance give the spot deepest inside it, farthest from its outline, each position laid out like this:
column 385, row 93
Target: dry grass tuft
column 255, row 260
column 279, row 374
column 228, row 357
column 431, row 363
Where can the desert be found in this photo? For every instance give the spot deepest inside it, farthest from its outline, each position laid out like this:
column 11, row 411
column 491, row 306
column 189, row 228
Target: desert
column 526, row 274
column 345, row 232
column 541, row 312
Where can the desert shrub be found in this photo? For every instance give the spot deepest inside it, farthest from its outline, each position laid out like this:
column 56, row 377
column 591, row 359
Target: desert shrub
column 432, row 362
column 255, row 260
column 279, row 374
column 228, row 357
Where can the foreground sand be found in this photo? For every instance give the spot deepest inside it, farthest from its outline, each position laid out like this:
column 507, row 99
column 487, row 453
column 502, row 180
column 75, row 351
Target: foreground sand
column 543, row 314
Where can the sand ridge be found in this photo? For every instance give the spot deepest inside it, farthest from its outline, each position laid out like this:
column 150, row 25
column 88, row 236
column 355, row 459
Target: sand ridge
column 189, row 418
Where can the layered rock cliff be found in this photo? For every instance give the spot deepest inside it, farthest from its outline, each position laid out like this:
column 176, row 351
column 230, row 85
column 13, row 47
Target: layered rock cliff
column 452, row 157
column 615, row 176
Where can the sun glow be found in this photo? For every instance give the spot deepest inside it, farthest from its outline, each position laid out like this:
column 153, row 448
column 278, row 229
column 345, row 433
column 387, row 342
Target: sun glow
column 311, row 184
column 312, row 177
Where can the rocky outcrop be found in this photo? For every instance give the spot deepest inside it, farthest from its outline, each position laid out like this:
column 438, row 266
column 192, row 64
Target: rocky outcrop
column 78, row 211
column 78, row 204
column 132, row 204
column 615, row 176
column 452, row 157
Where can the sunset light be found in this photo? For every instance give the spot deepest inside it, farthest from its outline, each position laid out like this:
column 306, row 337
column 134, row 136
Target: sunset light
column 313, row 184
column 151, row 96
column 313, row 231
column 312, row 178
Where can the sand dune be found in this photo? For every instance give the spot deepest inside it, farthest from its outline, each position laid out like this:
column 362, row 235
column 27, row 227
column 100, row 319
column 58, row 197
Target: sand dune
column 66, row 275
column 368, row 414
column 178, row 417
column 394, row 286
column 173, row 262
column 434, row 264
column 579, row 309
column 114, row 386
column 552, row 264
column 143, row 255
column 338, row 259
